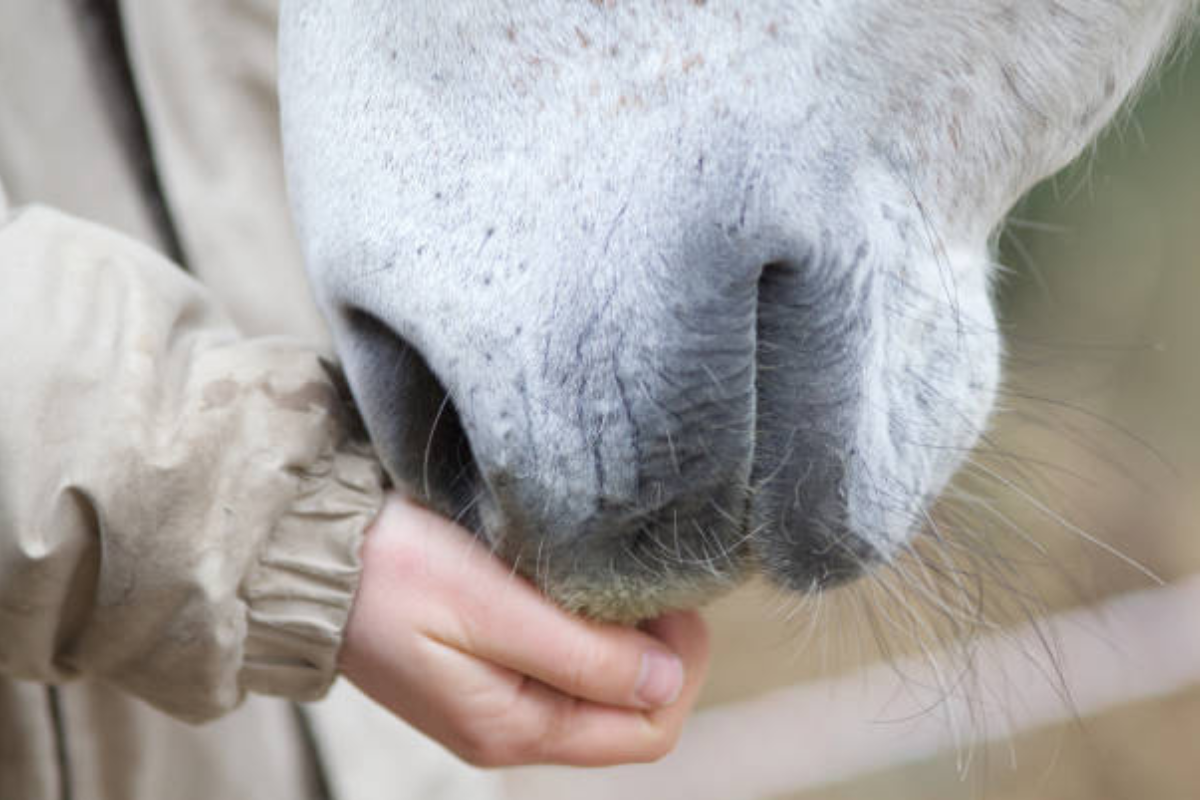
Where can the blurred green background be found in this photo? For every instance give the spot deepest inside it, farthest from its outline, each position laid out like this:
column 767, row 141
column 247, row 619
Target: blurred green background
column 1086, row 488
column 1100, row 425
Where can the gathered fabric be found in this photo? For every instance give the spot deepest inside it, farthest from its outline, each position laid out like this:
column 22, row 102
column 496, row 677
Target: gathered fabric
column 183, row 494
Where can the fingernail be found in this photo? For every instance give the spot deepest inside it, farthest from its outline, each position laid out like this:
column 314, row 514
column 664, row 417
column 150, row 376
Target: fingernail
column 661, row 679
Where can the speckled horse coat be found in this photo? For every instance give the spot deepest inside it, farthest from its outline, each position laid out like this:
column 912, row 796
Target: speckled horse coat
column 652, row 294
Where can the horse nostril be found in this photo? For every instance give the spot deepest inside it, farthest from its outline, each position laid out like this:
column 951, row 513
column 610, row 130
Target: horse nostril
column 420, row 434
column 809, row 397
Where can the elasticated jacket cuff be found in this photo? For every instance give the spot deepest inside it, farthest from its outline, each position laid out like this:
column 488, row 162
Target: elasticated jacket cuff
column 180, row 506
column 300, row 592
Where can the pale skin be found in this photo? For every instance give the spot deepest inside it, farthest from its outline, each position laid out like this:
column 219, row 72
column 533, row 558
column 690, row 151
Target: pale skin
column 448, row 638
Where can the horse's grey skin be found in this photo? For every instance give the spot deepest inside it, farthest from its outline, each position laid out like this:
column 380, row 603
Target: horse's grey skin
column 706, row 280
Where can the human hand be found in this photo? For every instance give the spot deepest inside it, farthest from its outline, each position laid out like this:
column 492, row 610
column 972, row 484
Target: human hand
column 446, row 637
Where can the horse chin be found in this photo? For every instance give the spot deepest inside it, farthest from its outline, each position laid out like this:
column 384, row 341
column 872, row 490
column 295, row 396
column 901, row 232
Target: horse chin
column 627, row 599
column 624, row 586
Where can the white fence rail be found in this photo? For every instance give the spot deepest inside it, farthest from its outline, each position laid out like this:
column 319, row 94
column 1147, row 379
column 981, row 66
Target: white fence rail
column 1129, row 648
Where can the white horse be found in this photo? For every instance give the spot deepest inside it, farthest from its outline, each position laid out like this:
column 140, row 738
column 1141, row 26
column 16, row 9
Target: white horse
column 652, row 293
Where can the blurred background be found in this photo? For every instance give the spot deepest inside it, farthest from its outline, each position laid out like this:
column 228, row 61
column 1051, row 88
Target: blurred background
column 1068, row 543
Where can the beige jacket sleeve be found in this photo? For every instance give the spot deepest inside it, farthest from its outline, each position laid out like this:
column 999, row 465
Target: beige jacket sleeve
column 180, row 507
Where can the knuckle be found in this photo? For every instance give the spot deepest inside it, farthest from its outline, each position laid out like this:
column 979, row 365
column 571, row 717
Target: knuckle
column 482, row 753
column 660, row 748
column 477, row 759
column 476, row 744
column 493, row 748
column 586, row 660
column 662, row 743
column 703, row 638
column 548, row 745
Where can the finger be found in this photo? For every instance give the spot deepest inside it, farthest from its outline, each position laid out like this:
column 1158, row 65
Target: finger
column 487, row 713
column 567, row 731
column 546, row 726
column 503, row 720
column 686, row 633
column 602, row 663
column 502, row 618
column 584, row 734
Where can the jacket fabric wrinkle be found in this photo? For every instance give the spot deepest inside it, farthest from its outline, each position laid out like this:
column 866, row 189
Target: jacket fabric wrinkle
column 182, row 493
